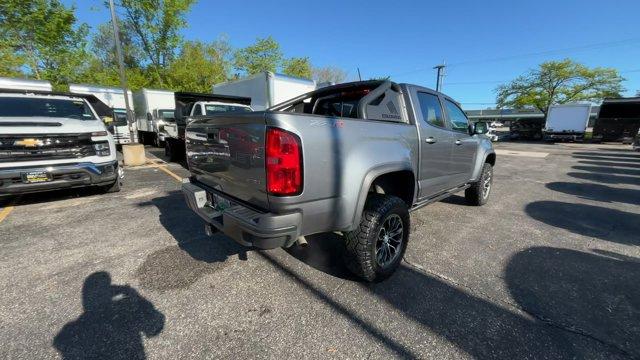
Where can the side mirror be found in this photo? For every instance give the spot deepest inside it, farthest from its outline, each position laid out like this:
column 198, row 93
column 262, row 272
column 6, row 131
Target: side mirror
column 480, row 128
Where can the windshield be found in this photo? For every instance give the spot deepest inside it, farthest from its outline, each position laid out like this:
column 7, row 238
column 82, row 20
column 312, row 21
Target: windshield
column 217, row 108
column 167, row 114
column 43, row 107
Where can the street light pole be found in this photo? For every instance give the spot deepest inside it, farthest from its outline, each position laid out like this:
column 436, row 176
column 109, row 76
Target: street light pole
column 123, row 76
column 440, row 75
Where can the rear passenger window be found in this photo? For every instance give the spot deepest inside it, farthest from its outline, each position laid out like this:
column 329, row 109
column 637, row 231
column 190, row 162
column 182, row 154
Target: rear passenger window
column 457, row 118
column 431, row 109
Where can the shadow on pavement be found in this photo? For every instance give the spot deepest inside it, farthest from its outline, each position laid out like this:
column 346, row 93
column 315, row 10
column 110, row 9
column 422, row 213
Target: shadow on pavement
column 194, row 256
column 588, row 220
column 606, row 178
column 456, row 200
column 601, row 154
column 597, row 192
column 51, row 196
column 324, row 252
column 610, row 163
column 473, row 324
column 608, row 170
column 113, row 323
column 596, row 294
column 627, row 161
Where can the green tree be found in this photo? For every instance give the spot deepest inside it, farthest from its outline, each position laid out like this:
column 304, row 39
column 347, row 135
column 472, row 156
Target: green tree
column 156, row 25
column 200, row 65
column 10, row 62
column 329, row 74
column 264, row 55
column 103, row 46
column 559, row 82
column 44, row 35
column 299, row 67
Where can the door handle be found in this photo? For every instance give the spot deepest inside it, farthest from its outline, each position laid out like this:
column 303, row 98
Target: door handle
column 430, row 140
column 458, row 142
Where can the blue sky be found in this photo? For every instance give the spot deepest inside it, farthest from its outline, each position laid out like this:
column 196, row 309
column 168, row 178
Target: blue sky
column 484, row 42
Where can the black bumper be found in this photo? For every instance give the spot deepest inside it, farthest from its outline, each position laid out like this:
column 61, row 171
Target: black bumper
column 243, row 224
column 62, row 176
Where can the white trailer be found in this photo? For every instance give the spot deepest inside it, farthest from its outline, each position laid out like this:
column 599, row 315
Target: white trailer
column 113, row 98
column 266, row 89
column 154, row 109
column 567, row 122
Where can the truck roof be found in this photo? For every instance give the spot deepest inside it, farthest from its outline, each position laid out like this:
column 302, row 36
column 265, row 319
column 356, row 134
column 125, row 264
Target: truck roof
column 100, row 108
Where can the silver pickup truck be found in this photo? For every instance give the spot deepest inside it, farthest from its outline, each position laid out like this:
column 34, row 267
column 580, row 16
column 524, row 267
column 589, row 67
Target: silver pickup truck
column 354, row 158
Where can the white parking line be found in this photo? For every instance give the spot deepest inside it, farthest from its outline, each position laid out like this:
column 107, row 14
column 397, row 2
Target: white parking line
column 533, row 154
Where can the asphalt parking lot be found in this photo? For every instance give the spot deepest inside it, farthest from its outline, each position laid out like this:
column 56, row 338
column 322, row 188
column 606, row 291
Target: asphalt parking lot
column 550, row 268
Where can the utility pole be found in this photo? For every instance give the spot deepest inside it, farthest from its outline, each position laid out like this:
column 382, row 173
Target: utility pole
column 440, row 75
column 359, row 77
column 123, row 76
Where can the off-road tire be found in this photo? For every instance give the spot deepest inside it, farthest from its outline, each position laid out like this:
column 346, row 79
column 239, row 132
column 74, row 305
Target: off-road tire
column 360, row 253
column 475, row 194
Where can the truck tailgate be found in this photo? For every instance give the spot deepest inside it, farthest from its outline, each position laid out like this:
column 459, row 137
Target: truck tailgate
column 226, row 152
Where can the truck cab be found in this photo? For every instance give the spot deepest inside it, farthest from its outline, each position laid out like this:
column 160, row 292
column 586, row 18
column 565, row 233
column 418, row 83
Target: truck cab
column 52, row 140
column 116, row 120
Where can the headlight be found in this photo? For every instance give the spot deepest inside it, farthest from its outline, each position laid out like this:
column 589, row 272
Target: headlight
column 102, row 148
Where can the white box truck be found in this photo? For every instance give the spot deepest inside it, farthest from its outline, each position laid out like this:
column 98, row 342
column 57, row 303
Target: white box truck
column 114, row 98
column 266, row 89
column 567, row 122
column 51, row 140
column 154, row 109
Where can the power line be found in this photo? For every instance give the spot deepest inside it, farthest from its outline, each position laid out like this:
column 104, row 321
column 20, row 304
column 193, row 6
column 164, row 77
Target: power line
column 594, row 46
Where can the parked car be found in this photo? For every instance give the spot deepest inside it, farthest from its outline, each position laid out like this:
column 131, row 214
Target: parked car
column 354, row 158
column 496, row 124
column 53, row 140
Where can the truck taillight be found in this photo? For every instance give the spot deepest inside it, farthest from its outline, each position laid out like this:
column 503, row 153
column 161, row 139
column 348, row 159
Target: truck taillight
column 283, row 162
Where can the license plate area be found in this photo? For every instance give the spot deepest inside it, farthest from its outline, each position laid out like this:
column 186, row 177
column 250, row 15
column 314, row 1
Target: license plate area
column 218, row 203
column 36, row 177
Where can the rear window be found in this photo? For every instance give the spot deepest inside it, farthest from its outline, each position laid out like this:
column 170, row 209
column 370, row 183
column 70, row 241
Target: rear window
column 42, row 107
column 215, row 109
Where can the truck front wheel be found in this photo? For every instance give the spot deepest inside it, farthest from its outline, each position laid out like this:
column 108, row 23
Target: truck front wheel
column 375, row 248
column 478, row 193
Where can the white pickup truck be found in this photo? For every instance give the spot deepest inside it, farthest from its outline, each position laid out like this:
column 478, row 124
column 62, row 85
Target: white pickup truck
column 52, row 140
column 190, row 106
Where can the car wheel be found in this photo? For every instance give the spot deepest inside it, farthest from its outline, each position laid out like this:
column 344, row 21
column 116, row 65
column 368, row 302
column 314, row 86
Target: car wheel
column 478, row 193
column 375, row 249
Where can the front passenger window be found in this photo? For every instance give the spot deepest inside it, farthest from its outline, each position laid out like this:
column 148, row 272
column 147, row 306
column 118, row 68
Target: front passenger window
column 457, row 118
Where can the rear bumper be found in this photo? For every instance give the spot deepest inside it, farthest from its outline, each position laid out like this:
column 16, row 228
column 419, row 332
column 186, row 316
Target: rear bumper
column 63, row 176
column 244, row 225
column 561, row 136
